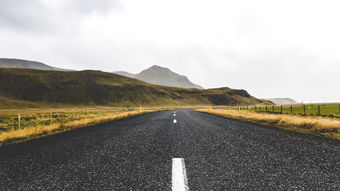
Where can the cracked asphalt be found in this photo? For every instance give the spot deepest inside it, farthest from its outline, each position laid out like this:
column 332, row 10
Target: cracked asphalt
column 136, row 154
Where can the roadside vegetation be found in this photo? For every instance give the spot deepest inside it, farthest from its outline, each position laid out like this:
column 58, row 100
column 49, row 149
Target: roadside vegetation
column 317, row 125
column 24, row 124
column 317, row 109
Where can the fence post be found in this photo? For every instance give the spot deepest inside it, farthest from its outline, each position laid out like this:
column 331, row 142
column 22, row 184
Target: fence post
column 266, row 108
column 281, row 109
column 256, row 108
column 304, row 109
column 19, row 121
column 273, row 108
column 61, row 120
column 319, row 110
column 291, row 109
column 51, row 116
column 339, row 108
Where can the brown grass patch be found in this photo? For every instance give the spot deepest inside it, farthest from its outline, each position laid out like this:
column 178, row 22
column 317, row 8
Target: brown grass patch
column 38, row 131
column 329, row 127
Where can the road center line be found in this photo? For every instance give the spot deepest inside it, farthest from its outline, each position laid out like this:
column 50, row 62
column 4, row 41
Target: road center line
column 175, row 121
column 179, row 175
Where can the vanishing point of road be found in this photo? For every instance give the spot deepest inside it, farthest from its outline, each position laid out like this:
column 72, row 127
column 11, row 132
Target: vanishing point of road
column 168, row 150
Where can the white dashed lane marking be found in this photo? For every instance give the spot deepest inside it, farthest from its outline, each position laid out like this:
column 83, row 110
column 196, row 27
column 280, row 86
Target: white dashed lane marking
column 179, row 175
column 175, row 121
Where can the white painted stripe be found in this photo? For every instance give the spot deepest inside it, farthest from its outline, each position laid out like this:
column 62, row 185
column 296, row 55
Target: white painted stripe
column 179, row 175
column 175, row 121
column 175, row 114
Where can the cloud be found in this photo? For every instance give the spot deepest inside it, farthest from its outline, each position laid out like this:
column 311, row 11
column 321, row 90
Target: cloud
column 23, row 15
column 90, row 6
column 271, row 48
column 43, row 16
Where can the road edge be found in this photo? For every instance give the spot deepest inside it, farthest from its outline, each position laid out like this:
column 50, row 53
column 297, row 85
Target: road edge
column 62, row 129
column 273, row 125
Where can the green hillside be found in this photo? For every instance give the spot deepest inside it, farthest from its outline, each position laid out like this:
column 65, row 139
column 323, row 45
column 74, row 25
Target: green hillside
column 29, row 86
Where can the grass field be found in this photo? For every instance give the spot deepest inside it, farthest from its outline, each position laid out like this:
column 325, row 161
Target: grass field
column 9, row 119
column 322, row 109
column 317, row 125
column 23, row 124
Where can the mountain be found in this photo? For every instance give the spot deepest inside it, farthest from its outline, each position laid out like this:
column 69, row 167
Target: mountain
column 282, row 101
column 126, row 74
column 161, row 76
column 18, row 63
column 88, row 87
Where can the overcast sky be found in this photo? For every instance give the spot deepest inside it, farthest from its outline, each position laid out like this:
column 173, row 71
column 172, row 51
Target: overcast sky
column 288, row 48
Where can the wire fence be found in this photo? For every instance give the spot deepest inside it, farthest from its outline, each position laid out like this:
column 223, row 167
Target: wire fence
column 329, row 110
column 19, row 121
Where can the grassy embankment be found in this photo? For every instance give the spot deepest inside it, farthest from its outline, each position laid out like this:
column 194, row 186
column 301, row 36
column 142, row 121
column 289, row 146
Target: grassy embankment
column 317, row 125
column 42, row 122
column 321, row 109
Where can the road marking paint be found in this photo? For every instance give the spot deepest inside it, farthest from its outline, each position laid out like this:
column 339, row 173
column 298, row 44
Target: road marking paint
column 179, row 175
column 175, row 121
column 175, row 114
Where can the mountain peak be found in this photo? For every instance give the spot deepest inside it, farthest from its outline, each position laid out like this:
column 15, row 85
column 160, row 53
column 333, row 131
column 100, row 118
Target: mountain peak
column 157, row 67
column 163, row 76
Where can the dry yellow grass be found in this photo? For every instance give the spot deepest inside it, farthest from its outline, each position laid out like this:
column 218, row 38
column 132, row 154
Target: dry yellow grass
column 61, row 110
column 329, row 127
column 37, row 131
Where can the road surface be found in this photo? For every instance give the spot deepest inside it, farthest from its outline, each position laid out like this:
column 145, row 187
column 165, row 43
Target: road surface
column 154, row 151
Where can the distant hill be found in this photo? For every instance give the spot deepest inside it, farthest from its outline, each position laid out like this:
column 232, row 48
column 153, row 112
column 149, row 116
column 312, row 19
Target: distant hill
column 126, row 74
column 18, row 63
column 282, row 101
column 161, row 76
column 100, row 88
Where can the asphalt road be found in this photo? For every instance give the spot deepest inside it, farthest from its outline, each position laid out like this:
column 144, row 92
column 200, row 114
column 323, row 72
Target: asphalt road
column 136, row 154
